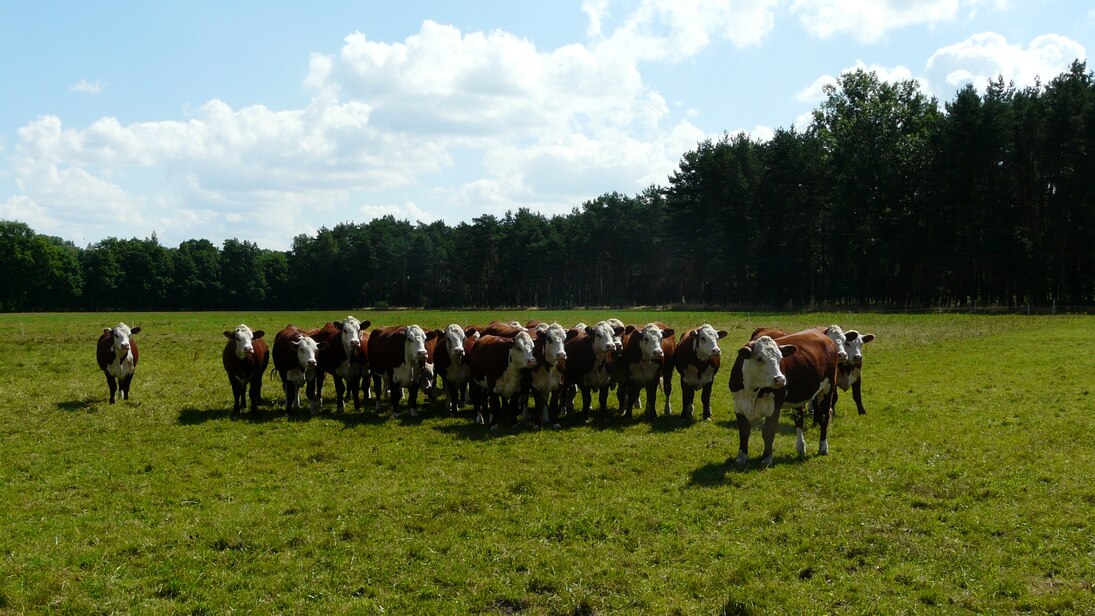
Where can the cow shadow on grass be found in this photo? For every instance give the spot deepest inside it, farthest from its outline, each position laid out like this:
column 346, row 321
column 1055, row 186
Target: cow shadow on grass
column 726, row 472
column 191, row 416
column 89, row 405
column 781, row 428
column 350, row 419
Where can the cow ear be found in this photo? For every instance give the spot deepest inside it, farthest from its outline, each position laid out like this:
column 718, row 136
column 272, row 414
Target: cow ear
column 787, row 349
column 629, row 329
column 851, row 335
column 135, row 330
column 667, row 332
column 471, row 331
column 431, row 334
column 745, row 352
column 295, row 343
column 617, row 330
column 228, row 334
column 365, row 325
column 722, row 333
column 257, row 334
column 106, row 330
column 338, row 325
column 589, row 330
column 571, row 333
column 867, row 338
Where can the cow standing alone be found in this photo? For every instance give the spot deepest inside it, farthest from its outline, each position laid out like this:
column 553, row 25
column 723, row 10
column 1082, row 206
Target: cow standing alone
column 245, row 358
column 117, row 355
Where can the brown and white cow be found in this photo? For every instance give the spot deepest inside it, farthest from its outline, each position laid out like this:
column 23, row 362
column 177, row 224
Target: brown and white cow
column 648, row 359
column 116, row 353
column 791, row 371
column 358, row 382
column 697, row 359
column 451, row 362
column 850, row 353
column 343, row 340
column 497, row 366
column 589, row 365
column 296, row 362
column 397, row 354
column 503, row 330
column 245, row 359
column 549, row 375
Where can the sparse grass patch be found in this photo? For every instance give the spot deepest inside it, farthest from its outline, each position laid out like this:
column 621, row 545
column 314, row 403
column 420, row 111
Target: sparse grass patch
column 967, row 487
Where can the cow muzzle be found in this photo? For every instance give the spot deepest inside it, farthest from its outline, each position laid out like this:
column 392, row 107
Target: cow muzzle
column 779, row 382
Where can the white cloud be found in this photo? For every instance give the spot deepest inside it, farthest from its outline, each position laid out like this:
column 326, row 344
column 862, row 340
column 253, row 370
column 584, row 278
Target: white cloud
column 408, row 211
column 815, row 93
column 984, row 57
column 86, row 87
column 870, row 20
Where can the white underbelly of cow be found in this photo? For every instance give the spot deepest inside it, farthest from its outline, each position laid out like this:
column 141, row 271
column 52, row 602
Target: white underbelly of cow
column 822, row 389
column 295, row 376
column 752, row 407
column 644, row 371
column 596, row 378
column 459, row 373
column 695, row 378
column 121, row 369
column 550, row 379
column 403, row 375
column 844, row 380
column 510, row 383
column 343, row 370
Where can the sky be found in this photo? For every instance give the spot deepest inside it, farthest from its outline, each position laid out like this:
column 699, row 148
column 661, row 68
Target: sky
column 262, row 121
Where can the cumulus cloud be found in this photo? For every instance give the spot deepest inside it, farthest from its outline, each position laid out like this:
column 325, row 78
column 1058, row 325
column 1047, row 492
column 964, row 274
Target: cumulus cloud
column 86, row 87
column 870, row 20
column 983, row 57
column 815, row 92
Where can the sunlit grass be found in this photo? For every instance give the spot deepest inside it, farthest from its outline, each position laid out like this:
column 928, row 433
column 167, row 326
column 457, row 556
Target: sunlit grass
column 967, row 487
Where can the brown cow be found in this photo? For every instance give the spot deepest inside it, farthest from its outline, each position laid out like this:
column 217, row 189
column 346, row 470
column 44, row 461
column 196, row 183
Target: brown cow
column 245, row 359
column 648, row 358
column 786, row 372
column 497, row 365
column 589, row 365
column 398, row 355
column 343, row 340
column 116, row 353
column 549, row 375
column 503, row 330
column 450, row 361
column 296, row 363
column 697, row 359
column 359, row 371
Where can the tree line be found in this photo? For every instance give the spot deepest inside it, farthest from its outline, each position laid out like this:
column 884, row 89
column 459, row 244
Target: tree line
column 886, row 200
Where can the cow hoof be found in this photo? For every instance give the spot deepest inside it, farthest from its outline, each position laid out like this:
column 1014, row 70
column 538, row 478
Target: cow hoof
column 766, row 461
column 414, row 413
column 862, row 411
column 556, row 427
column 494, row 428
column 479, row 420
column 823, row 448
column 742, row 459
column 707, row 415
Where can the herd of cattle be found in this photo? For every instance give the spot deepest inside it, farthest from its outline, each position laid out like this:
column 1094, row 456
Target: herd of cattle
column 499, row 366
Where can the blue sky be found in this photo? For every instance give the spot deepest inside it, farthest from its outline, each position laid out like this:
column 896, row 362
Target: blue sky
column 261, row 121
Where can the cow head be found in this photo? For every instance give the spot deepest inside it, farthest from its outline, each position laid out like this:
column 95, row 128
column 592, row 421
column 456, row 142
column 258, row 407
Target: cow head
column 604, row 339
column 121, row 333
column 454, row 337
column 650, row 341
column 618, row 330
column 760, row 363
column 306, row 349
column 837, row 336
column 244, row 338
column 351, row 334
column 554, row 339
column 853, row 346
column 414, row 345
column 705, row 341
column 520, row 354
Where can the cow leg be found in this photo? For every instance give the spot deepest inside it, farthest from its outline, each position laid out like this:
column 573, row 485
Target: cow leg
column 478, row 402
column 587, row 401
column 822, row 413
column 353, row 386
column 667, row 385
column 799, row 415
column 314, row 391
column 552, row 410
column 340, row 390
column 705, row 398
column 237, row 395
column 857, row 395
column 395, row 392
column 769, row 434
column 495, row 409
column 451, row 396
column 112, row 385
column 744, row 427
column 687, row 395
column 376, row 391
column 290, row 395
column 602, row 400
column 412, row 399
column 651, row 399
column 256, row 391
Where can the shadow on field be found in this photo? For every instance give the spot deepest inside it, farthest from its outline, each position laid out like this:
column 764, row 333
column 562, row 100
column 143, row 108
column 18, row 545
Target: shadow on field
column 781, row 428
column 193, row 416
column 671, row 423
column 357, row 418
column 722, row 473
column 71, row 406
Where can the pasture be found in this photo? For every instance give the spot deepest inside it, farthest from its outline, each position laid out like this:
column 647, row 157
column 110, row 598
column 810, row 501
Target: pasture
column 967, row 487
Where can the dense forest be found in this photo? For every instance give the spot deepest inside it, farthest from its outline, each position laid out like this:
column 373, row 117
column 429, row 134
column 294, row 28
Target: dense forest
column 887, row 201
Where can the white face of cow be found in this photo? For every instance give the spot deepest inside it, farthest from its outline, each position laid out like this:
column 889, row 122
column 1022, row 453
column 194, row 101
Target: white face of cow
column 414, row 346
column 707, row 342
column 837, row 336
column 650, row 342
column 306, row 349
column 604, row 339
column 521, row 353
column 243, row 338
column 853, row 346
column 616, row 338
column 351, row 334
column 121, row 334
column 760, row 363
column 454, row 339
column 555, row 338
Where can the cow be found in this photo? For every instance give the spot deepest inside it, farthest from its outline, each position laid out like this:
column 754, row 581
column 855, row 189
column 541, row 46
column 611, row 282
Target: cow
column 451, row 362
column 397, row 354
column 589, row 364
column 116, row 353
column 497, row 364
column 359, row 370
column 850, row 354
column 697, row 359
column 296, row 362
column 343, row 340
column 245, row 359
column 548, row 377
column 648, row 358
column 503, row 330
column 792, row 371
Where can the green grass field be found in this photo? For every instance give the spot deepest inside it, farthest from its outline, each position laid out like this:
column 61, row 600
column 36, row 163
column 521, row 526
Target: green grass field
column 967, row 488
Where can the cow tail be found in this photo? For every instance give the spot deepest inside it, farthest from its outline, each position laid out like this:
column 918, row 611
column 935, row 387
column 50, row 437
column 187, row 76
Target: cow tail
column 274, row 371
